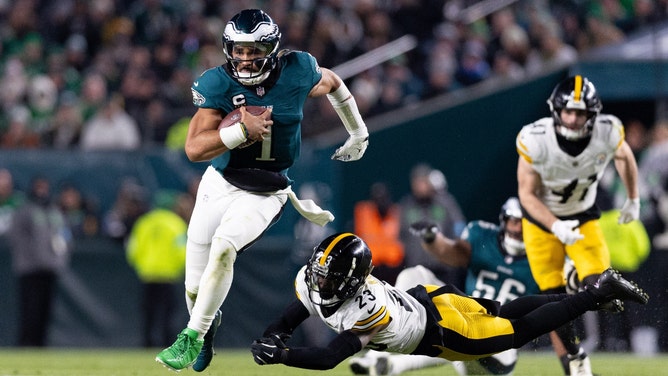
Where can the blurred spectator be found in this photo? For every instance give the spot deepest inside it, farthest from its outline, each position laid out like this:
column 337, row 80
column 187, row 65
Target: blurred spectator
column 175, row 93
column 175, row 139
column 636, row 135
column 42, row 100
column 366, row 88
column 10, row 199
column 601, row 32
column 430, row 200
column 507, row 35
column 156, row 250
column 19, row 133
column 111, row 128
column 552, row 52
column 515, row 42
column 441, row 61
column 32, row 54
column 14, row 83
column 131, row 202
column 64, row 131
column 400, row 87
column 378, row 221
column 80, row 213
column 40, row 242
column 505, row 69
column 645, row 13
column 155, row 123
column 152, row 18
column 139, row 84
column 94, row 93
column 473, row 66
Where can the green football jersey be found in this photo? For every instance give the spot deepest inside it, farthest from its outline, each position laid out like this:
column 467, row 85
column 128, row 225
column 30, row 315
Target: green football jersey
column 493, row 274
column 298, row 74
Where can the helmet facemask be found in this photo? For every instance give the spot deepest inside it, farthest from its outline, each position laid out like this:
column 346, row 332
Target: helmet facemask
column 328, row 288
column 513, row 246
column 512, row 240
column 337, row 269
column 575, row 93
column 255, row 32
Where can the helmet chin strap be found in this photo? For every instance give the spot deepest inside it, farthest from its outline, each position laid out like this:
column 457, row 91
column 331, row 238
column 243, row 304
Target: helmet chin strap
column 512, row 246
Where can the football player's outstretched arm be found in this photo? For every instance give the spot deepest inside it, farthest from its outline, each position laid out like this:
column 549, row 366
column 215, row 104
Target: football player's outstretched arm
column 453, row 252
column 272, row 350
column 293, row 315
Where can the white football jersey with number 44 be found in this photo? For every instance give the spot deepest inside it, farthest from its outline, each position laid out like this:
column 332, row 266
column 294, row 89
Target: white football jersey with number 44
column 569, row 182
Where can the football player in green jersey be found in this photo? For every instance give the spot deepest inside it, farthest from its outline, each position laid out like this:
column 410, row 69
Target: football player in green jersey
column 243, row 191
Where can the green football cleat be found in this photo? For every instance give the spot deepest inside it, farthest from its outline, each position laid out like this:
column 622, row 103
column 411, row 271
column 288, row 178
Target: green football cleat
column 183, row 353
column 204, row 358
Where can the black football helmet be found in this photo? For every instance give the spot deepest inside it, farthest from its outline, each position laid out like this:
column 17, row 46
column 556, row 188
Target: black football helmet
column 578, row 93
column 337, row 269
column 254, row 28
column 512, row 242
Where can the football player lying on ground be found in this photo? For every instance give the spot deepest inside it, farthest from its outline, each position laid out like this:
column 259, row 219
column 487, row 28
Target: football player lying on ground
column 438, row 321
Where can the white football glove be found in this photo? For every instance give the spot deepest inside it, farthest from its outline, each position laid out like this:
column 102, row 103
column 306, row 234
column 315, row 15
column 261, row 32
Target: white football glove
column 630, row 211
column 566, row 231
column 352, row 150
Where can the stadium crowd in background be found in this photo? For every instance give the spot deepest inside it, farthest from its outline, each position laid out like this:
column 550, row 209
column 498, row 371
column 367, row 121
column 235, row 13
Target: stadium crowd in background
column 65, row 65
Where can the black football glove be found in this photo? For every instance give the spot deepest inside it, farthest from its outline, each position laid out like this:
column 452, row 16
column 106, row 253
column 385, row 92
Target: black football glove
column 425, row 230
column 270, row 350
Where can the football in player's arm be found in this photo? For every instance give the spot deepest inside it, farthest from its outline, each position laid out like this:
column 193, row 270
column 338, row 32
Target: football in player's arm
column 336, row 286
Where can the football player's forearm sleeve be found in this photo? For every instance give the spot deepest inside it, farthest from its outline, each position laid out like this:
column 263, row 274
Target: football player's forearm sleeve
column 323, row 358
column 294, row 314
column 346, row 108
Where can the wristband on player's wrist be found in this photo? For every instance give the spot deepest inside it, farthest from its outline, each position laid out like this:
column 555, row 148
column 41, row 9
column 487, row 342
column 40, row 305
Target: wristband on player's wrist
column 234, row 135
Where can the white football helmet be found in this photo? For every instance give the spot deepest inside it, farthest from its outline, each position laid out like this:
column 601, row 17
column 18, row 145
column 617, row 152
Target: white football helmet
column 254, row 28
column 512, row 242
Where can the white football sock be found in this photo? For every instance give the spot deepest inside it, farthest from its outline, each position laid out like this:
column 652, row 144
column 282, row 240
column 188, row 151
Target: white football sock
column 214, row 285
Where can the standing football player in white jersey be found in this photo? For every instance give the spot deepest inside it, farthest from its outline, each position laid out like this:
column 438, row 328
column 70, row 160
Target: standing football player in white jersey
column 561, row 160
